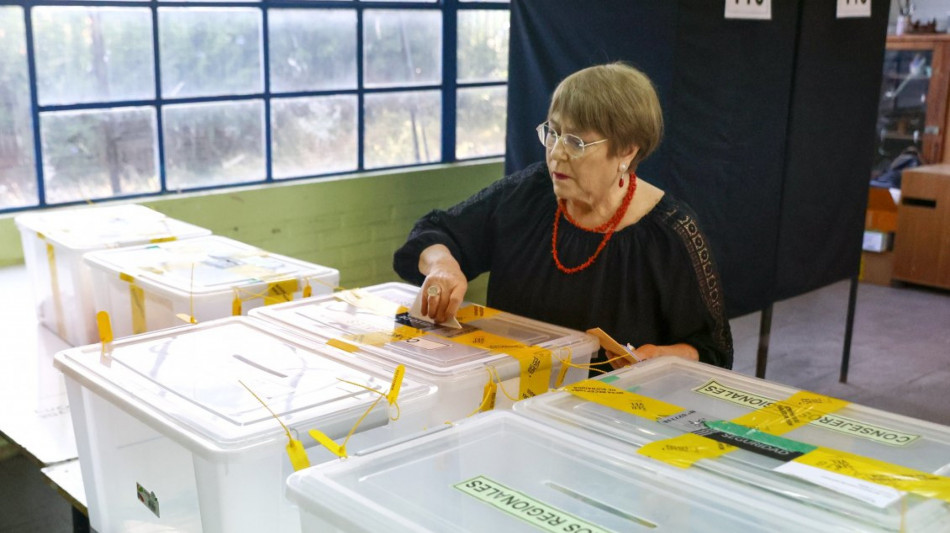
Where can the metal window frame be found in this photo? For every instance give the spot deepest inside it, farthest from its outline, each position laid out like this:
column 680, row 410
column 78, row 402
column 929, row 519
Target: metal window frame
column 448, row 86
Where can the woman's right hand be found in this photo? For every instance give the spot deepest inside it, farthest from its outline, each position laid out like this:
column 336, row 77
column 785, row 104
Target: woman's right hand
column 445, row 285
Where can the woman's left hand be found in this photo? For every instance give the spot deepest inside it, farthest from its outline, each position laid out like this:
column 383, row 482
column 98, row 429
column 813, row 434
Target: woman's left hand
column 649, row 351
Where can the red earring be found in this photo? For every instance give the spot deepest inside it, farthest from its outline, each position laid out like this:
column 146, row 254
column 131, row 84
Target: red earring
column 620, row 183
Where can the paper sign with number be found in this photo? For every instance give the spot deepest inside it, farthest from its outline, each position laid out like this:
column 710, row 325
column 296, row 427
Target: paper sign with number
column 854, row 9
column 749, row 9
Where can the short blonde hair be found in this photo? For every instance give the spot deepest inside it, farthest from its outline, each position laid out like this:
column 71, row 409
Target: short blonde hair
column 615, row 100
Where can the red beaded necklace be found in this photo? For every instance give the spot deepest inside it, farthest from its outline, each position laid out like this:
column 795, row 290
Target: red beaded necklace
column 607, row 228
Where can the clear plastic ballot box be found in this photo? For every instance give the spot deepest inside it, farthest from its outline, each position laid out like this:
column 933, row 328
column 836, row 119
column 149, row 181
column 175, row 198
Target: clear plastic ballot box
column 695, row 394
column 54, row 243
column 503, row 472
column 373, row 323
column 170, row 439
column 155, row 286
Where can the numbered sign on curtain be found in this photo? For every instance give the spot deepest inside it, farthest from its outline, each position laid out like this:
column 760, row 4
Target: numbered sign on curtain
column 749, row 9
column 854, row 8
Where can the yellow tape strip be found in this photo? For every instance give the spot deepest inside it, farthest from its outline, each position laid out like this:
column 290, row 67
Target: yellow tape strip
column 535, row 362
column 54, row 286
column 783, row 416
column 617, row 398
column 162, row 239
column 867, row 469
column 137, row 301
column 137, row 296
column 345, row 346
column 104, row 324
column 475, row 312
column 280, row 291
column 686, row 449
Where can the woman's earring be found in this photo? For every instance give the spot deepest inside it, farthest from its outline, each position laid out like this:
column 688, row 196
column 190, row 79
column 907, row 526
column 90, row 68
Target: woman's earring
column 623, row 168
column 620, row 183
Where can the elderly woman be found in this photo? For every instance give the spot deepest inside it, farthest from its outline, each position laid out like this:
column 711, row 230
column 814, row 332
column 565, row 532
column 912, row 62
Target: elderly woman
column 580, row 240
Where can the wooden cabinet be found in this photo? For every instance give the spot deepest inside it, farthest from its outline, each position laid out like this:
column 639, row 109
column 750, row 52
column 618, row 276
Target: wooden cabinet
column 922, row 243
column 914, row 93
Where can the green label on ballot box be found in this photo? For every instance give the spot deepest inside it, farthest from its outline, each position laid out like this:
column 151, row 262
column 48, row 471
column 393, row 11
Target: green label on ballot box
column 539, row 514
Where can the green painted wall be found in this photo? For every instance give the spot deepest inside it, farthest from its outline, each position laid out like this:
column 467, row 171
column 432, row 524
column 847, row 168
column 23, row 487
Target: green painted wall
column 353, row 224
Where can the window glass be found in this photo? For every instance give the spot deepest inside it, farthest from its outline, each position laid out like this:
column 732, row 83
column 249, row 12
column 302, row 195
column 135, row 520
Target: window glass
column 17, row 168
column 480, row 121
column 402, row 47
column 93, row 54
column 210, row 51
column 213, row 144
column 312, row 50
column 402, row 128
column 482, row 45
column 311, row 136
column 99, row 153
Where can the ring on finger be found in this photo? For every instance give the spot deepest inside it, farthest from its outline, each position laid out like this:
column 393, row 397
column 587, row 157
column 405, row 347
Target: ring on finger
column 434, row 290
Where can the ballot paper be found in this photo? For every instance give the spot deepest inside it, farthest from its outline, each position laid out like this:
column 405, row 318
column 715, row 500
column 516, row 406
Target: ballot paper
column 416, row 312
column 608, row 343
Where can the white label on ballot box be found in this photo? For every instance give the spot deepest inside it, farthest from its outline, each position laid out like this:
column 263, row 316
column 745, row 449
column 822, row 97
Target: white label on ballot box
column 877, row 495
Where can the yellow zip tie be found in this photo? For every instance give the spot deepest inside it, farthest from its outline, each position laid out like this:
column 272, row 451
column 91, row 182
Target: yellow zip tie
column 236, row 304
column 562, row 373
column 191, row 298
column 497, row 378
column 340, row 449
column 295, row 450
column 345, row 346
column 488, row 395
column 396, row 385
column 307, row 290
column 54, row 287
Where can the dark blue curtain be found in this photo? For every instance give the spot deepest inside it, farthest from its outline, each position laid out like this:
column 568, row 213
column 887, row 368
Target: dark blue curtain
column 769, row 123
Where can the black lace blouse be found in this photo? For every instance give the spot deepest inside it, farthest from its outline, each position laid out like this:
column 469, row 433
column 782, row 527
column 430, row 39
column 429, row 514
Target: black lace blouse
column 654, row 283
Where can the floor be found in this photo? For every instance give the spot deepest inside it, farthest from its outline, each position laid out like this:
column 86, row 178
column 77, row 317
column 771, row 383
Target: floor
column 900, row 362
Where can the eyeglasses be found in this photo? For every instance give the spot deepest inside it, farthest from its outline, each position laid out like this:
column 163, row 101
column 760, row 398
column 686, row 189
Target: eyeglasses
column 573, row 145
